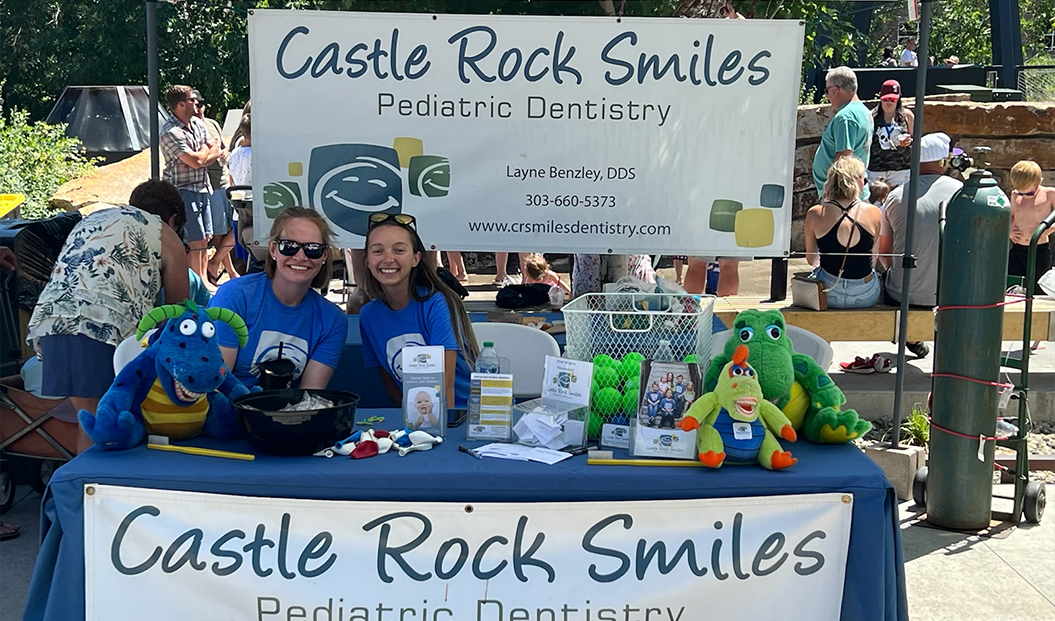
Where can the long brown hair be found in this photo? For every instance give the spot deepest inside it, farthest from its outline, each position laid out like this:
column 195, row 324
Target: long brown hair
column 322, row 279
column 424, row 282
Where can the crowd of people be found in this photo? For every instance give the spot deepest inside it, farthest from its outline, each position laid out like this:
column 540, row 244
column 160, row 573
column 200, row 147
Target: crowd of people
column 117, row 263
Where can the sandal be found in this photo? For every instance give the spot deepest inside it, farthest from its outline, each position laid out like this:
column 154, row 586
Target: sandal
column 9, row 530
column 861, row 366
column 215, row 280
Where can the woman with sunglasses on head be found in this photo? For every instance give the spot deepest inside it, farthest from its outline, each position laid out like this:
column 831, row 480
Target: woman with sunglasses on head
column 842, row 238
column 281, row 307
column 411, row 306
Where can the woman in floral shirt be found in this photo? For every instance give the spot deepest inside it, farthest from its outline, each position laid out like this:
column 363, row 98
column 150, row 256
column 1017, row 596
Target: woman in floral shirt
column 106, row 278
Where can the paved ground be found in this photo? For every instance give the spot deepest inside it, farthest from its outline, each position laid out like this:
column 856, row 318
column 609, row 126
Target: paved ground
column 950, row 576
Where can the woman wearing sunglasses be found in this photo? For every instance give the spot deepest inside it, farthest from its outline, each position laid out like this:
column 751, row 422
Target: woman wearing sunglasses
column 411, row 306
column 281, row 307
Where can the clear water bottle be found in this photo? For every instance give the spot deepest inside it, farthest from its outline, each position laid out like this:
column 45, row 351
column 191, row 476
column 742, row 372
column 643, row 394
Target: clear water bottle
column 663, row 352
column 556, row 297
column 487, row 361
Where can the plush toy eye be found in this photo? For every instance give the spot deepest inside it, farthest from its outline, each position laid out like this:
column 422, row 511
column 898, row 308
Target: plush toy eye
column 773, row 332
column 208, row 330
column 737, row 371
column 749, row 372
column 187, row 327
column 746, row 334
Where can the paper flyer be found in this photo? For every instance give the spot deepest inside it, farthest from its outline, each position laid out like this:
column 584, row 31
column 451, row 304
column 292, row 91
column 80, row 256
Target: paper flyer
column 424, row 398
column 667, row 391
column 490, row 407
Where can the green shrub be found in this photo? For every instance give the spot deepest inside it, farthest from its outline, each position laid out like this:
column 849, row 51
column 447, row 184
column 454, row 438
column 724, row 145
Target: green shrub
column 35, row 159
column 915, row 430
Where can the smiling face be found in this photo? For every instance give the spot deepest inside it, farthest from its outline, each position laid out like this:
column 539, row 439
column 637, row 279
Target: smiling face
column 422, row 403
column 390, row 257
column 297, row 268
column 348, row 182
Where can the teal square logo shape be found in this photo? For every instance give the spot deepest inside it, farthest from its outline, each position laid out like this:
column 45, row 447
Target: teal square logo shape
column 429, row 176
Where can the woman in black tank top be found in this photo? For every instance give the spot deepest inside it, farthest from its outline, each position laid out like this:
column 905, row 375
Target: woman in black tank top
column 842, row 234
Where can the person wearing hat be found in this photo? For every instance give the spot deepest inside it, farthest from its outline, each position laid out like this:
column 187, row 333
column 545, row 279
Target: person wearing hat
column 891, row 149
column 935, row 188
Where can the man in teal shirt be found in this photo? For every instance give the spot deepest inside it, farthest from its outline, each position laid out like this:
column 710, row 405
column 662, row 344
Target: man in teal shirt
column 848, row 133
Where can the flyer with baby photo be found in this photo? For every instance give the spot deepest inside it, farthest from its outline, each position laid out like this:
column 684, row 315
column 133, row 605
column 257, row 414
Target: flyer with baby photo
column 666, row 392
column 424, row 398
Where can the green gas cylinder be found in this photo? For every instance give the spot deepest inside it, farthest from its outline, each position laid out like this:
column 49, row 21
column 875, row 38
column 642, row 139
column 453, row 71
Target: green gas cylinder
column 973, row 272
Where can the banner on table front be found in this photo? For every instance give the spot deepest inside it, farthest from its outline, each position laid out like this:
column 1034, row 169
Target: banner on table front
column 182, row 555
column 639, row 135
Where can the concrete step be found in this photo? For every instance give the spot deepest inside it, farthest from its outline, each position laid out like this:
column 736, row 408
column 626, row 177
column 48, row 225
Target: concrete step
column 873, row 395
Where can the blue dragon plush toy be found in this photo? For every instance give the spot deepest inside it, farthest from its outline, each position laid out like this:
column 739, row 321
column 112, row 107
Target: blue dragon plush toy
column 166, row 389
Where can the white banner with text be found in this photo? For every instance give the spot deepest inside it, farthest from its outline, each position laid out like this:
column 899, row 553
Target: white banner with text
column 183, row 555
column 546, row 134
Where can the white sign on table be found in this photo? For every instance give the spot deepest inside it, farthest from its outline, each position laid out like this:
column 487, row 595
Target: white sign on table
column 184, row 555
column 543, row 134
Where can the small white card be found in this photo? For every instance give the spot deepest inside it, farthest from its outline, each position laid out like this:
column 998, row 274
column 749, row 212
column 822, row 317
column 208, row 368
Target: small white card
column 567, row 380
column 615, row 436
column 742, row 431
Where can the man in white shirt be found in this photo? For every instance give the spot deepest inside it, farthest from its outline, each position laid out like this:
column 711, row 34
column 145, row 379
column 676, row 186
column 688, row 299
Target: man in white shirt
column 908, row 57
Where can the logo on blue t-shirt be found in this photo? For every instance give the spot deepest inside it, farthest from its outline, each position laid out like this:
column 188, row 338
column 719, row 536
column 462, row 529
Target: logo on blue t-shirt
column 394, row 351
column 293, row 348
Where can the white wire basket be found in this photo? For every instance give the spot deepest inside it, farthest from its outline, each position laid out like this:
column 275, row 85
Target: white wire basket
column 616, row 324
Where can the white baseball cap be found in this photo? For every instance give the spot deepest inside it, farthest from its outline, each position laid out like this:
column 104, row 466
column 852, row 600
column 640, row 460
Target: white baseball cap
column 934, row 147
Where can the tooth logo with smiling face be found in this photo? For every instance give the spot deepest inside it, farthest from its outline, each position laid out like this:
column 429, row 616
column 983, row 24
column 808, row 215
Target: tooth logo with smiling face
column 348, row 182
column 280, row 196
column 430, row 175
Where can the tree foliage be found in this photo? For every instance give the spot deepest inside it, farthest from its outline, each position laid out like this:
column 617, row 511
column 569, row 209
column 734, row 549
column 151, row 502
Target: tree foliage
column 35, row 159
column 46, row 45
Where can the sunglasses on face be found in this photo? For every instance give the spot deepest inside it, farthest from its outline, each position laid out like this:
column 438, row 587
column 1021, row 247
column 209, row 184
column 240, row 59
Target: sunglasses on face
column 289, row 248
column 399, row 218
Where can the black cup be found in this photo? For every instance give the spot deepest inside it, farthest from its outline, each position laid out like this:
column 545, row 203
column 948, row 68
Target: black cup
column 277, row 374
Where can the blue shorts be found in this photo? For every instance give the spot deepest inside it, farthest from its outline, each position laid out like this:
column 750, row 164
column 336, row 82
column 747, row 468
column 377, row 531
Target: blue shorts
column 222, row 212
column 76, row 366
column 199, row 215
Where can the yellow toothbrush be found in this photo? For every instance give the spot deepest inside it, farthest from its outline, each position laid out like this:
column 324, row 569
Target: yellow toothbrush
column 161, row 443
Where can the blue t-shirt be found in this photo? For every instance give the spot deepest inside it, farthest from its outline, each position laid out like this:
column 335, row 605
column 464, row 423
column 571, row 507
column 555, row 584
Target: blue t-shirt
column 667, row 405
column 654, row 396
column 316, row 329
column 386, row 332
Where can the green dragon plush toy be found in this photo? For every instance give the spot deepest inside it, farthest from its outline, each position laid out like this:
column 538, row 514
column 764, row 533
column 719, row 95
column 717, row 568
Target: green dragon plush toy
column 794, row 382
column 736, row 424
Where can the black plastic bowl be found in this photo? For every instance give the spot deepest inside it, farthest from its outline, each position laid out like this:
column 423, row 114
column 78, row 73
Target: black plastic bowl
column 295, row 433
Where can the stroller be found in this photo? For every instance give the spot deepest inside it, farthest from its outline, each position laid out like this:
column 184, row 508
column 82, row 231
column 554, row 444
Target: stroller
column 37, row 435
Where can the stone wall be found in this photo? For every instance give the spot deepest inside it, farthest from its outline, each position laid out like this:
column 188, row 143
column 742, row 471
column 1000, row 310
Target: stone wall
column 1014, row 130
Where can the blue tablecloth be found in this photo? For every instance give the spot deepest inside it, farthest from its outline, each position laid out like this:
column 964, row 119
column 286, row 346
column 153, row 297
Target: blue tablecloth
column 875, row 578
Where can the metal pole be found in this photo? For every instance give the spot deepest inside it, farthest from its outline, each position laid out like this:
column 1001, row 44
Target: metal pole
column 908, row 262
column 152, row 85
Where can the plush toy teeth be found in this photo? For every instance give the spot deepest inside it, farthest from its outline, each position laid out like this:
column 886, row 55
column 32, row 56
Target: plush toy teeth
column 746, row 405
column 185, row 394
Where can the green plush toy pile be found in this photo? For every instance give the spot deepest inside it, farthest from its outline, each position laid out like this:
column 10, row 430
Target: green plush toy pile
column 793, row 382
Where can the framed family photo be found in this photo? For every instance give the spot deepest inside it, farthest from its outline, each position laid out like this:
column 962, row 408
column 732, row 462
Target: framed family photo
column 667, row 391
